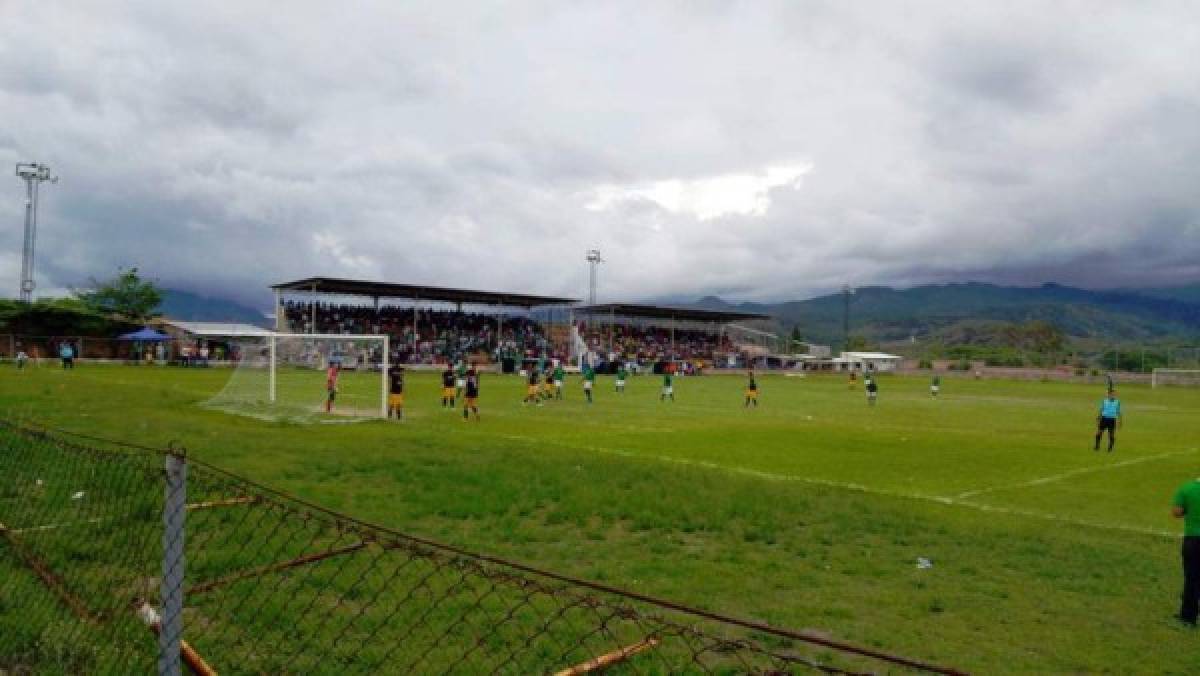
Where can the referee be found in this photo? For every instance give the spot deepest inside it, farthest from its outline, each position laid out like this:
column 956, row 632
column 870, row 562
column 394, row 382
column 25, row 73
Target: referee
column 1109, row 418
column 1186, row 506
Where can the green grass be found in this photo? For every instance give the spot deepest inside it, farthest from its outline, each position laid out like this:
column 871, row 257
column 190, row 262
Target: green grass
column 809, row 512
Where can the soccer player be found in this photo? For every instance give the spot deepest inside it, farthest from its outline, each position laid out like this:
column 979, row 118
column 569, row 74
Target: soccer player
column 1109, row 419
column 872, row 391
column 448, row 394
column 935, row 386
column 589, row 381
column 1186, row 506
column 668, row 390
column 548, row 385
column 67, row 354
column 853, row 379
column 1108, row 380
column 622, row 374
column 21, row 359
column 751, row 391
column 559, row 377
column 331, row 380
column 460, row 379
column 471, row 404
column 396, row 392
column 531, row 391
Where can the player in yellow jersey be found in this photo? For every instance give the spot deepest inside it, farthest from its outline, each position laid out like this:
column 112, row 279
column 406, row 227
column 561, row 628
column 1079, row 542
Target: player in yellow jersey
column 751, row 391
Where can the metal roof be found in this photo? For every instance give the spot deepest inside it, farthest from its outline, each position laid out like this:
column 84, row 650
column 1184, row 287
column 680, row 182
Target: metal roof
column 667, row 312
column 352, row 287
column 218, row 329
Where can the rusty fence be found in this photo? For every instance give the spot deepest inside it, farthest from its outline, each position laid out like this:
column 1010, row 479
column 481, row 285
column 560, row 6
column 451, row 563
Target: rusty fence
column 116, row 558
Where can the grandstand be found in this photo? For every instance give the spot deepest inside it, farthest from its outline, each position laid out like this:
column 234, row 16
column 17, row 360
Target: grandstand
column 654, row 333
column 435, row 325
column 428, row 324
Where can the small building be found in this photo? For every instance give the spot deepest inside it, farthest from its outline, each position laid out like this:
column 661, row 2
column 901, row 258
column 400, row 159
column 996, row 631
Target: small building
column 867, row 361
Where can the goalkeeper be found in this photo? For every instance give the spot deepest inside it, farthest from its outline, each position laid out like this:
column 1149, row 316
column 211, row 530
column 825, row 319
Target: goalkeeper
column 331, row 380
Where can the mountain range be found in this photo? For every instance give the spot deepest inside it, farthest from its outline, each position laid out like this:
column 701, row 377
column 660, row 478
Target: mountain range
column 882, row 314
column 188, row 306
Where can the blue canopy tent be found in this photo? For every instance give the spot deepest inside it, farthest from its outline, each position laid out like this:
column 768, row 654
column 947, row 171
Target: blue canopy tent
column 145, row 335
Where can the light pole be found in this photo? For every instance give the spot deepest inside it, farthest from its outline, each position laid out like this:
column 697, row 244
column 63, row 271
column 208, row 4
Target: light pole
column 846, row 293
column 33, row 174
column 593, row 259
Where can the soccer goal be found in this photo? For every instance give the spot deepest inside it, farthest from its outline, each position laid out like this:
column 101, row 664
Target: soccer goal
column 1184, row 377
column 283, row 376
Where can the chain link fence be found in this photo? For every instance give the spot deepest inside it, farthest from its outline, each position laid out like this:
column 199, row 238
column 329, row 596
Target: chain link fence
column 105, row 546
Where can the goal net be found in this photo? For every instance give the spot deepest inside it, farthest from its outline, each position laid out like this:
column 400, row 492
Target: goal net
column 284, row 376
column 1185, row 377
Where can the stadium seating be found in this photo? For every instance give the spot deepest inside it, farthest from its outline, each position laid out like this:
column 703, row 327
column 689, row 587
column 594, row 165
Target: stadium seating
column 648, row 343
column 442, row 335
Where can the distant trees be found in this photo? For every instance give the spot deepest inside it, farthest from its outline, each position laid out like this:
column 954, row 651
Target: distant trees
column 126, row 296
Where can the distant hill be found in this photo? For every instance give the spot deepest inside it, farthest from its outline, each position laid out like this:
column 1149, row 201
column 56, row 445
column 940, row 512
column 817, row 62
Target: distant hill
column 1187, row 294
column 189, row 306
column 883, row 314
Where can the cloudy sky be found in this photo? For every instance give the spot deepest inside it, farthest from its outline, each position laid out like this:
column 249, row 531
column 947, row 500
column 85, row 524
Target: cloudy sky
column 757, row 150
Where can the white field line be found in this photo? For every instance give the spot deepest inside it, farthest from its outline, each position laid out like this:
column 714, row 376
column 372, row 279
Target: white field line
column 1072, row 473
column 860, row 488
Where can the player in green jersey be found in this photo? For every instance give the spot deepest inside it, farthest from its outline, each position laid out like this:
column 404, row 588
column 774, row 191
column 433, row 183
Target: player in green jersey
column 460, row 379
column 622, row 375
column 559, row 377
column 589, row 381
column 668, row 389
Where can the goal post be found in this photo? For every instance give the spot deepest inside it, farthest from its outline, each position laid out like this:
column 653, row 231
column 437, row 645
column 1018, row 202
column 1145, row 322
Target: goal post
column 281, row 376
column 1181, row 377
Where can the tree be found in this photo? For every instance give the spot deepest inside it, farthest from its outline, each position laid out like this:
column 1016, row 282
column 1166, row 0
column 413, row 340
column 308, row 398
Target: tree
column 126, row 295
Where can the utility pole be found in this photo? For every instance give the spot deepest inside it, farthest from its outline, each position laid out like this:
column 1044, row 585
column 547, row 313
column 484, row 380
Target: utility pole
column 846, row 293
column 33, row 174
column 593, row 259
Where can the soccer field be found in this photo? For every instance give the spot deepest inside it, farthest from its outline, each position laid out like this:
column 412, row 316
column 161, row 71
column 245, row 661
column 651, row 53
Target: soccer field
column 809, row 512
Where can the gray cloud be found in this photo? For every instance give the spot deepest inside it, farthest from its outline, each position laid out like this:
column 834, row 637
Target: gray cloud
column 464, row 143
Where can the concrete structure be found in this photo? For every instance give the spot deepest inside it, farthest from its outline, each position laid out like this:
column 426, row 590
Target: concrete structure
column 880, row 362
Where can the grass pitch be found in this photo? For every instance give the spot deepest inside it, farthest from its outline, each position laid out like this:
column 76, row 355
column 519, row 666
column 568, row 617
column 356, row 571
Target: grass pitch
column 809, row 512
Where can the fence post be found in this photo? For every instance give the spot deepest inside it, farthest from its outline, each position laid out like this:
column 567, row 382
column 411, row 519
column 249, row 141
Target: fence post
column 174, row 511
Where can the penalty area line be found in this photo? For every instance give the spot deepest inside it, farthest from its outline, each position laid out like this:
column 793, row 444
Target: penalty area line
column 859, row 488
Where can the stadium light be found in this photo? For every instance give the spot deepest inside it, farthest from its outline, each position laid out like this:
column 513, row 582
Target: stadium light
column 34, row 175
column 593, row 259
column 847, row 291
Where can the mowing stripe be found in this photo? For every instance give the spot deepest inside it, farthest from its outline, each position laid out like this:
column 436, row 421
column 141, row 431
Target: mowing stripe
column 1072, row 473
column 859, row 488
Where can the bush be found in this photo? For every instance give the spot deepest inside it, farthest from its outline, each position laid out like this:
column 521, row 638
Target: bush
column 924, row 364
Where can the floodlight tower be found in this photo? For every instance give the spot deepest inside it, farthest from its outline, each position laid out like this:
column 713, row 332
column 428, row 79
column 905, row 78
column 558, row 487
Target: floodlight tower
column 593, row 259
column 33, row 174
column 847, row 291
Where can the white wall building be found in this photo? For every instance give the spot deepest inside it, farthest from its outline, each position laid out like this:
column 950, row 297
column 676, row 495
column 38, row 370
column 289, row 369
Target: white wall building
column 867, row 361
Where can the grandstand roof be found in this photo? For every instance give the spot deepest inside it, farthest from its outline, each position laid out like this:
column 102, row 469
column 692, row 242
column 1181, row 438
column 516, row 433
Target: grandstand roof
column 666, row 312
column 217, row 329
column 353, row 287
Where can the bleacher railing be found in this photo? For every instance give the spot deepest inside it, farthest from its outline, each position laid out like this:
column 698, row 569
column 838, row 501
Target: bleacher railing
column 119, row 558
